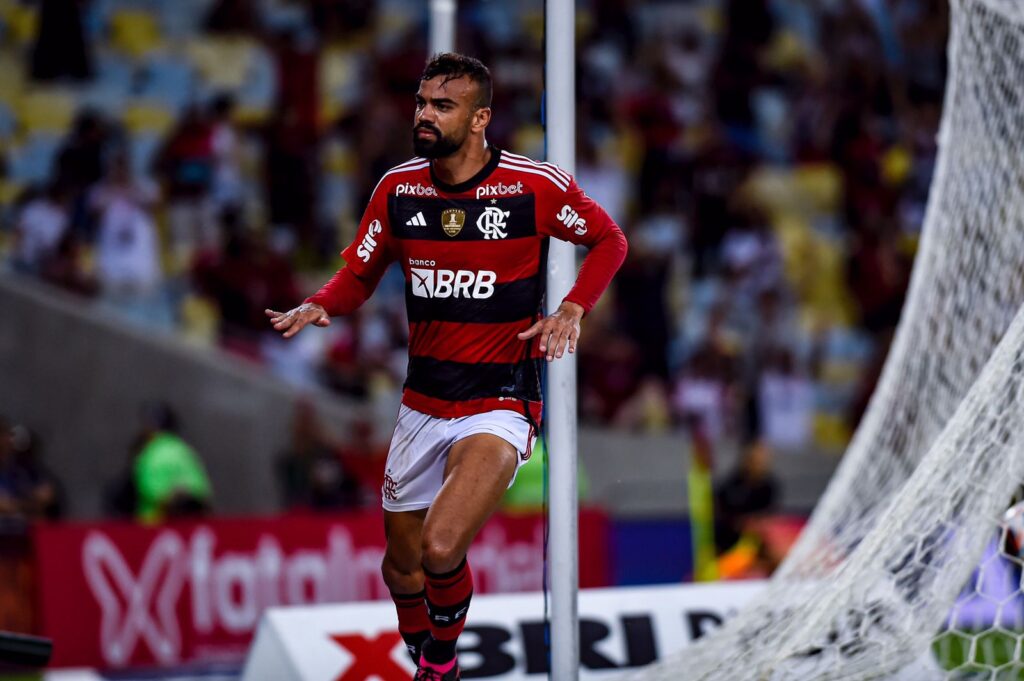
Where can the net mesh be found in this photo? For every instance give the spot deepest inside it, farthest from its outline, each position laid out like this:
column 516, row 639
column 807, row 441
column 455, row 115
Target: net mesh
column 917, row 502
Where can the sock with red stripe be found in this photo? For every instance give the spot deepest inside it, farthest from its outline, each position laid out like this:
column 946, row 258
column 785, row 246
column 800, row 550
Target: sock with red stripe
column 448, row 596
column 413, row 623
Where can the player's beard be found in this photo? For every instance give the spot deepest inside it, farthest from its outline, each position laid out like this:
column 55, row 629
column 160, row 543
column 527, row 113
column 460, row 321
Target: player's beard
column 437, row 147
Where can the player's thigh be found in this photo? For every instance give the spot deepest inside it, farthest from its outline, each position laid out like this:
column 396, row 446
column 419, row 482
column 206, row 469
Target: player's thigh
column 477, row 473
column 403, row 531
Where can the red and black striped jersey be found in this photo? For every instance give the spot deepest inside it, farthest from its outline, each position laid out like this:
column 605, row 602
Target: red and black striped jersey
column 474, row 258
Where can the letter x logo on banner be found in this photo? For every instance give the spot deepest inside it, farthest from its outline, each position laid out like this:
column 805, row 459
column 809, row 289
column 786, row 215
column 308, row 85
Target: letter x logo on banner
column 126, row 600
column 372, row 657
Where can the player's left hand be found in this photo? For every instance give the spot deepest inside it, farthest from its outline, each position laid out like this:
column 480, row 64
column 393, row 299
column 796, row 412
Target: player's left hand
column 559, row 331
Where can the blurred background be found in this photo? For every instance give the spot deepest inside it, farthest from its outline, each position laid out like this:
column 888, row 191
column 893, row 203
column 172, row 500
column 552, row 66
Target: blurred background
column 170, row 168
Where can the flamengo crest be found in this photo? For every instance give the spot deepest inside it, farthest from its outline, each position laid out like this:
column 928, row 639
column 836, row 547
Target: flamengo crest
column 492, row 222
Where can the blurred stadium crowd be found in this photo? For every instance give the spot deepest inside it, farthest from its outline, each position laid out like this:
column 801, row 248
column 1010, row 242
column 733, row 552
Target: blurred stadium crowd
column 188, row 163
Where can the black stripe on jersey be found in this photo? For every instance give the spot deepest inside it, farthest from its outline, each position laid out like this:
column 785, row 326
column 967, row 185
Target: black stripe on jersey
column 519, row 222
column 510, row 302
column 458, row 381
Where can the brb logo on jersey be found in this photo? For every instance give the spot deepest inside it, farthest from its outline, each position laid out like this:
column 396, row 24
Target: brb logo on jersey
column 452, row 283
column 492, row 222
column 572, row 220
column 365, row 249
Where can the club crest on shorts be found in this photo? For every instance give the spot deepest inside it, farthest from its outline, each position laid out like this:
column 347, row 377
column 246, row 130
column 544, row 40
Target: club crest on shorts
column 452, row 220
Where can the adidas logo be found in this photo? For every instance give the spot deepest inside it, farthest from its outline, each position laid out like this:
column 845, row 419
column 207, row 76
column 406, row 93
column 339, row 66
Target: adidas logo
column 417, row 220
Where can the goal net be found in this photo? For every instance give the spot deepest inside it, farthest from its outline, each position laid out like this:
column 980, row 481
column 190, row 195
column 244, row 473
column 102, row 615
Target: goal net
column 875, row 587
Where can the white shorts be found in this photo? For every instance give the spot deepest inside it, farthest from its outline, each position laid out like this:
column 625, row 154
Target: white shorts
column 419, row 450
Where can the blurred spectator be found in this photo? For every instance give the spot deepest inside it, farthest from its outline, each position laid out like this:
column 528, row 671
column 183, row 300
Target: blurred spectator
column 642, row 288
column 185, row 165
column 610, row 366
column 28, row 490
column 42, row 495
column 785, row 403
column 60, row 50
column 80, row 164
column 170, row 479
column 245, row 279
column 311, row 472
column 751, row 258
column 707, row 389
column 652, row 113
column 363, row 458
column 292, row 172
column 127, row 245
column 226, row 192
column 878, row 274
column 232, row 16
column 66, row 268
column 718, row 169
column 749, row 491
column 80, row 158
column 41, row 224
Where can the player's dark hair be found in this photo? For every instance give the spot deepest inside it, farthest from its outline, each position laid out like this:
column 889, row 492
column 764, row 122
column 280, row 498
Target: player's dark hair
column 452, row 65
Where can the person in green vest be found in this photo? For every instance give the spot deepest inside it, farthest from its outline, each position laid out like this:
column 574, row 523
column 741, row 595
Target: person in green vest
column 526, row 495
column 170, row 479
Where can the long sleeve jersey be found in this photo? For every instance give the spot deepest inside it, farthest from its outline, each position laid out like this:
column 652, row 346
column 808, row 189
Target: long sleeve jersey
column 474, row 258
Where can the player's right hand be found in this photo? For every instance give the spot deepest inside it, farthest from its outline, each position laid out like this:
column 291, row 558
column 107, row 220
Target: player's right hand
column 294, row 320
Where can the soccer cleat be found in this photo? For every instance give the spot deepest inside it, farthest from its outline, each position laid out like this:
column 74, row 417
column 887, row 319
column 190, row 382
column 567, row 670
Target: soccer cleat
column 428, row 671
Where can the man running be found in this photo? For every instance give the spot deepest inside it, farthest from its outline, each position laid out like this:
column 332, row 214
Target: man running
column 469, row 224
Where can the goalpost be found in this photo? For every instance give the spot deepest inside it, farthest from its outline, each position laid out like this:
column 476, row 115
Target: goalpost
column 560, row 407
column 871, row 589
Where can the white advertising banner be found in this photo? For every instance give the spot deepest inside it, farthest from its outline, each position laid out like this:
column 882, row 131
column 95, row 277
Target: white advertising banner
column 621, row 628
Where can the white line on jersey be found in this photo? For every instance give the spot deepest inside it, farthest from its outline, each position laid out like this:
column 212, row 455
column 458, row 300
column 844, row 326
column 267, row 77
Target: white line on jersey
column 564, row 176
column 536, row 171
column 408, row 166
column 417, row 220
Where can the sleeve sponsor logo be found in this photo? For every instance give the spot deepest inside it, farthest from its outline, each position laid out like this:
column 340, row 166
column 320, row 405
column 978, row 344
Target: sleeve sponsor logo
column 409, row 189
column 485, row 191
column 491, row 222
column 365, row 249
column 452, row 283
column 571, row 219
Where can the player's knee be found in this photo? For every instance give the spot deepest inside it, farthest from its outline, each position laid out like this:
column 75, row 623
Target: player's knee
column 441, row 555
column 399, row 574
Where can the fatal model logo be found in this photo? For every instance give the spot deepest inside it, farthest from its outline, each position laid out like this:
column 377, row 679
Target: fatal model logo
column 452, row 283
column 365, row 249
column 501, row 189
column 414, row 190
column 225, row 592
column 491, row 222
column 127, row 600
column 452, row 220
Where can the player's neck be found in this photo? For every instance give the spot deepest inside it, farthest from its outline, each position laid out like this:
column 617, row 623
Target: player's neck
column 463, row 164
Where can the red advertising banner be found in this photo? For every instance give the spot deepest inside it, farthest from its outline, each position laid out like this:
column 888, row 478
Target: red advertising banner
column 118, row 594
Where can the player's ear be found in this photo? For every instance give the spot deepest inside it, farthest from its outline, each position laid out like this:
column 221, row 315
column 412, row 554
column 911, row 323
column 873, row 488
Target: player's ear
column 481, row 117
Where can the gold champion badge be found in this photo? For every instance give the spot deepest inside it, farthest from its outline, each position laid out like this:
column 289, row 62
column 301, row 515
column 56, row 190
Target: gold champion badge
column 452, row 220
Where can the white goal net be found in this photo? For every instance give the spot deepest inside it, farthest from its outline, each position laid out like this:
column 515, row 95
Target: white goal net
column 875, row 588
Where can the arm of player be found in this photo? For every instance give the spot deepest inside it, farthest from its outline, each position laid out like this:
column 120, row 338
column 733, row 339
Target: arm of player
column 573, row 216
column 366, row 260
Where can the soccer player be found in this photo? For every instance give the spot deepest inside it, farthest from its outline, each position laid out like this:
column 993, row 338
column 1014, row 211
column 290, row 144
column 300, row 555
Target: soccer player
column 468, row 223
